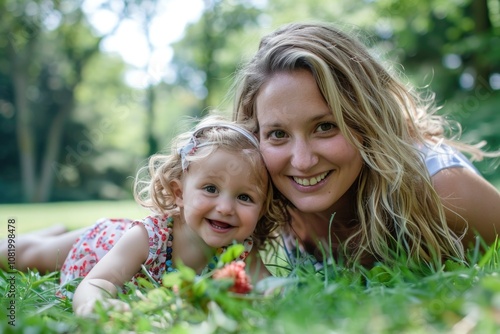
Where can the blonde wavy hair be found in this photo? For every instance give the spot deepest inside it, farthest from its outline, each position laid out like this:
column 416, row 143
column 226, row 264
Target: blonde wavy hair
column 152, row 185
column 398, row 210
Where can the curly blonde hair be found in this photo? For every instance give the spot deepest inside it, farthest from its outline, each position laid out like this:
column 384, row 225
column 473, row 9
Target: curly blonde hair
column 398, row 210
column 152, row 185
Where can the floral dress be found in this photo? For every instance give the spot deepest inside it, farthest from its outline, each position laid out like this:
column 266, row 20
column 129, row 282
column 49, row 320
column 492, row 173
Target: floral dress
column 96, row 242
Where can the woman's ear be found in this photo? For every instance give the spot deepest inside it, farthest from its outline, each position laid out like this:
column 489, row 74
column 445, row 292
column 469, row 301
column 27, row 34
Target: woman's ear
column 176, row 186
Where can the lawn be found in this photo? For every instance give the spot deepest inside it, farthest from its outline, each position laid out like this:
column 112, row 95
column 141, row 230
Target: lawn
column 31, row 217
column 454, row 299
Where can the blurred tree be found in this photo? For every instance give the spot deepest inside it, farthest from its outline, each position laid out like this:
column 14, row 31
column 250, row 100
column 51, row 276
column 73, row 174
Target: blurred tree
column 143, row 12
column 66, row 114
column 454, row 48
column 48, row 45
column 105, row 136
column 454, row 38
column 52, row 74
column 200, row 58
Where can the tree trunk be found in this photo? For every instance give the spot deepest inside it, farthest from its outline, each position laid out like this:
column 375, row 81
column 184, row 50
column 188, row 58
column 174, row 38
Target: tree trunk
column 150, row 110
column 52, row 149
column 25, row 137
column 483, row 27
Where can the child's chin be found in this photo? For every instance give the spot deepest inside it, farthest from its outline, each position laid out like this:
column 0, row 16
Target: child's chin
column 216, row 243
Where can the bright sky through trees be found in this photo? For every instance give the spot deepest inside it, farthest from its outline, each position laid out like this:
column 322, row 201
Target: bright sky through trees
column 129, row 39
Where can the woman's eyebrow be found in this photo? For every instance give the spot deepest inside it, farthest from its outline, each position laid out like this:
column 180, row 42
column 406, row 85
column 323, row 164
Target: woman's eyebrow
column 270, row 125
column 277, row 124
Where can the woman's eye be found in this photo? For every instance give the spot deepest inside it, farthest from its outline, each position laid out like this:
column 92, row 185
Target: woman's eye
column 244, row 198
column 324, row 127
column 211, row 189
column 277, row 134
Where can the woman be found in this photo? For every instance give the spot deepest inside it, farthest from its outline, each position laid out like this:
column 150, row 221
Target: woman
column 361, row 159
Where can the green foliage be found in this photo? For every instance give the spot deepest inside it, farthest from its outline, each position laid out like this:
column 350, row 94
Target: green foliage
column 203, row 59
column 231, row 254
column 455, row 298
column 51, row 49
column 92, row 129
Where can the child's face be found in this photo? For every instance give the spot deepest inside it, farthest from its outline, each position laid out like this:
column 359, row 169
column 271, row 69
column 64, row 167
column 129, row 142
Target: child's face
column 220, row 198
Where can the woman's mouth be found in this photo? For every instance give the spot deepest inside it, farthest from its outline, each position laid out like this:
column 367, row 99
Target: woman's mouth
column 310, row 181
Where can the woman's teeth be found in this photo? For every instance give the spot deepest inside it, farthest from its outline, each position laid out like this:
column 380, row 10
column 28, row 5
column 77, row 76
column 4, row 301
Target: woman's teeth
column 310, row 181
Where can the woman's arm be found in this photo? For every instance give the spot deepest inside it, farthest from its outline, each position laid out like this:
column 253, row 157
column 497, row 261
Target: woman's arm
column 115, row 269
column 256, row 267
column 470, row 202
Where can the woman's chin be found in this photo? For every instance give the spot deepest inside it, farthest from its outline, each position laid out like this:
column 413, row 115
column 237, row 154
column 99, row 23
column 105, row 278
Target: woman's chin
column 311, row 206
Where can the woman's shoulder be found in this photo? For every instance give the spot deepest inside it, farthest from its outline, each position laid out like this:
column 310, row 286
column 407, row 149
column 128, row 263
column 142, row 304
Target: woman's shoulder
column 471, row 203
column 438, row 156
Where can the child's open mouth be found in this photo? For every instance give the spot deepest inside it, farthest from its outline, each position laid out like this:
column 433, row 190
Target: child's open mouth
column 218, row 225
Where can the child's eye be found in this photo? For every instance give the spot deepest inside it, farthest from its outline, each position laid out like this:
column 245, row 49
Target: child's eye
column 324, row 127
column 245, row 198
column 211, row 189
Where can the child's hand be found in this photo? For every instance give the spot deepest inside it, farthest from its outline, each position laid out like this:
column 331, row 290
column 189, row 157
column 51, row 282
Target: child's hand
column 88, row 309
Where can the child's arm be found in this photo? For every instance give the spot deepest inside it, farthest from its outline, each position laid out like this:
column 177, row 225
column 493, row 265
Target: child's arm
column 115, row 269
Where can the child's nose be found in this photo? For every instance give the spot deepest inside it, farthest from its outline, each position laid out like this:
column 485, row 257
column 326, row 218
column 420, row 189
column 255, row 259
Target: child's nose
column 225, row 206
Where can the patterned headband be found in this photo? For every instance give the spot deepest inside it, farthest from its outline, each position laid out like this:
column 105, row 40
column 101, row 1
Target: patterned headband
column 193, row 144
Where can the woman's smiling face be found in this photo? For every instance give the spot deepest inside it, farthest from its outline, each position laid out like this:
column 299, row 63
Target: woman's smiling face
column 309, row 159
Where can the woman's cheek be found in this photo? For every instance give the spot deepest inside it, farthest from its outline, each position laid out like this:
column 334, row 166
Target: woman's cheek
column 273, row 157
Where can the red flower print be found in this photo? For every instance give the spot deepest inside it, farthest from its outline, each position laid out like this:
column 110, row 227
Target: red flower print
column 235, row 271
column 243, row 255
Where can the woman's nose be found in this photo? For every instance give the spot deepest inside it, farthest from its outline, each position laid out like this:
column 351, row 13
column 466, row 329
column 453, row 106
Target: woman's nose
column 303, row 155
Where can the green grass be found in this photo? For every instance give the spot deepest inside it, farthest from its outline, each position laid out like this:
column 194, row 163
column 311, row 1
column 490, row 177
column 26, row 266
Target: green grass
column 30, row 217
column 454, row 299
